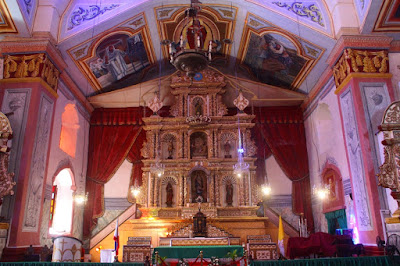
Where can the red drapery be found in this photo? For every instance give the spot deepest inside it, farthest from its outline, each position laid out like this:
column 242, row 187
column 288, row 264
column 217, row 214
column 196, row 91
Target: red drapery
column 113, row 132
column 283, row 129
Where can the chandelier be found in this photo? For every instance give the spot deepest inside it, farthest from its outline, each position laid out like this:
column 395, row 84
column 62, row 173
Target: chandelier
column 191, row 53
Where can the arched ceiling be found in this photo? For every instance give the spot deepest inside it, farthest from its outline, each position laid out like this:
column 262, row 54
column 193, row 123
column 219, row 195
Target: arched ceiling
column 278, row 51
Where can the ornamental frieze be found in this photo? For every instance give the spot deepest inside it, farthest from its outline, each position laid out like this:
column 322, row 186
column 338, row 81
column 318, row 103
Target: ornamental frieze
column 31, row 66
column 360, row 61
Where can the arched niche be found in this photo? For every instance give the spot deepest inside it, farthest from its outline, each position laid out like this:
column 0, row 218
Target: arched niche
column 332, row 179
column 69, row 130
column 61, row 209
column 229, row 192
column 198, row 145
column 198, row 182
column 169, row 192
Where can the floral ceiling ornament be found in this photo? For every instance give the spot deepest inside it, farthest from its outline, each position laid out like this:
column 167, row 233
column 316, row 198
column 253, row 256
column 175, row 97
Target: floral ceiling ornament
column 155, row 104
column 241, row 102
column 300, row 9
column 82, row 14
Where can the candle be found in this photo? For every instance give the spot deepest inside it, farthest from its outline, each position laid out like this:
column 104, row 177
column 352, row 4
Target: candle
column 198, row 41
column 181, row 42
column 210, row 47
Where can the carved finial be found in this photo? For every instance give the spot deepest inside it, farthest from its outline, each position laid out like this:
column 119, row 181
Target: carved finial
column 155, row 104
column 241, row 102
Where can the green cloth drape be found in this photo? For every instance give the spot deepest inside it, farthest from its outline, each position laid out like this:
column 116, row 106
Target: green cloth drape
column 179, row 252
column 338, row 216
column 353, row 261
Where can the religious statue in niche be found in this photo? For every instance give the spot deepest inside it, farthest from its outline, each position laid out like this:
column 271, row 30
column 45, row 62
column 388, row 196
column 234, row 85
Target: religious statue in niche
column 199, row 186
column 229, row 194
column 198, row 106
column 198, row 145
column 332, row 188
column 170, row 194
column 227, row 149
column 170, row 149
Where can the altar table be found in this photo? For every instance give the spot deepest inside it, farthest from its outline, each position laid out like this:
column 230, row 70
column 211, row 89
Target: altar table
column 178, row 252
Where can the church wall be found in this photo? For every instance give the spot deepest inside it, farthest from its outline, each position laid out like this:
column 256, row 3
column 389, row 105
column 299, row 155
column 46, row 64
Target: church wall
column 60, row 159
column 325, row 143
column 279, row 182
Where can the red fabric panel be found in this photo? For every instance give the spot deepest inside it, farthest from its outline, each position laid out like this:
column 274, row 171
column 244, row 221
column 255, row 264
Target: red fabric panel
column 112, row 135
column 283, row 129
column 318, row 243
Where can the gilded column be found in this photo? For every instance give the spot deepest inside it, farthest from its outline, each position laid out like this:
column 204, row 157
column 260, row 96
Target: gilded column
column 211, row 186
column 181, row 189
column 217, row 189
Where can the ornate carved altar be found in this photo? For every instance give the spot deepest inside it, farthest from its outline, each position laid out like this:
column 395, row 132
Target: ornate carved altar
column 389, row 175
column 198, row 146
column 6, row 178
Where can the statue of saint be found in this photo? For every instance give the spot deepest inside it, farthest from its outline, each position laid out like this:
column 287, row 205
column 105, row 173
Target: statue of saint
column 170, row 148
column 229, row 194
column 170, row 194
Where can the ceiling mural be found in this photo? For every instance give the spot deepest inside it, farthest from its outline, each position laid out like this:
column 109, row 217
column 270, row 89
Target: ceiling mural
column 311, row 13
column 81, row 15
column 389, row 16
column 28, row 9
column 6, row 22
column 116, row 55
column 217, row 22
column 274, row 56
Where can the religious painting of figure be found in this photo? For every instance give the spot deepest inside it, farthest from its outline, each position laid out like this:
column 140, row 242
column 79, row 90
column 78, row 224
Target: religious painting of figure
column 273, row 59
column 118, row 57
column 199, row 186
column 198, row 145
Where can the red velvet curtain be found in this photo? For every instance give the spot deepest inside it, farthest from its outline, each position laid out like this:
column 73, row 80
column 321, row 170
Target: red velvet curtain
column 283, row 129
column 112, row 134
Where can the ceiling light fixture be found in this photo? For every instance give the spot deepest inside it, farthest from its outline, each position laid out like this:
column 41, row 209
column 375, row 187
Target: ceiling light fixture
column 191, row 53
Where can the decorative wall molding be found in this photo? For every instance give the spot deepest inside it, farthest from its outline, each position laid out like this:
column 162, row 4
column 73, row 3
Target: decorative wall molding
column 360, row 61
column 31, row 66
column 37, row 173
column 354, row 152
column 347, row 186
